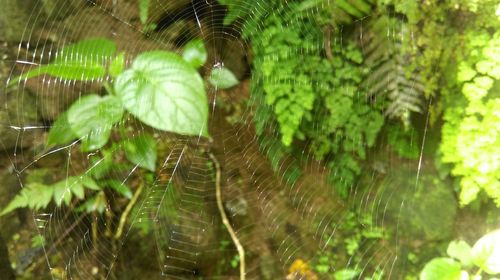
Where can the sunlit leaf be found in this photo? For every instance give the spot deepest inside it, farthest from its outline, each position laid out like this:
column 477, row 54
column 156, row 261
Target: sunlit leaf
column 486, row 252
column 141, row 150
column 346, row 274
column 222, row 78
column 461, row 251
column 165, row 92
column 441, row 269
column 195, row 53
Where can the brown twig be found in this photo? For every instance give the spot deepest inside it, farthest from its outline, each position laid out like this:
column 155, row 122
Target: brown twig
column 327, row 31
column 225, row 221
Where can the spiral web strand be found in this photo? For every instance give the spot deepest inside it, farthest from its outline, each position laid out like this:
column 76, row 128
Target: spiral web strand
column 278, row 220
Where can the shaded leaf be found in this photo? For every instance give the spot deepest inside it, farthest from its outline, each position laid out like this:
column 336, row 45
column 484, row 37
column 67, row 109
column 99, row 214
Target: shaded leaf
column 222, row 78
column 92, row 117
column 95, row 203
column 120, row 188
column 60, row 132
column 143, row 10
column 141, row 150
column 195, row 53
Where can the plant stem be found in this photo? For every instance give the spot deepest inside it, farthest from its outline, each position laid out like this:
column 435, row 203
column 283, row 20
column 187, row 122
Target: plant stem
column 225, row 221
column 125, row 214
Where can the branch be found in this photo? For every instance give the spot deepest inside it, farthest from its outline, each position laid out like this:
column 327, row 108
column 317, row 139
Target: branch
column 225, row 221
column 125, row 214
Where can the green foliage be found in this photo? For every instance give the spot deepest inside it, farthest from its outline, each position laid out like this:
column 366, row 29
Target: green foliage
column 471, row 134
column 82, row 61
column 92, row 117
column 484, row 255
column 283, row 73
column 160, row 89
column 141, row 150
column 404, row 141
column 346, row 274
column 37, row 195
column 387, row 56
column 460, row 251
column 195, row 53
column 351, row 232
column 292, row 78
column 441, row 269
column 165, row 92
column 222, row 78
column 143, row 16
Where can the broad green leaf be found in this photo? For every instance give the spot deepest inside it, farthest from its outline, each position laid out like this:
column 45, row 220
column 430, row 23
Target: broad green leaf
column 346, row 274
column 92, row 117
column 60, row 132
column 195, row 53
column 222, row 78
column 461, row 251
column 82, row 61
column 441, row 269
column 486, row 252
column 120, row 188
column 117, row 65
column 141, row 150
column 165, row 92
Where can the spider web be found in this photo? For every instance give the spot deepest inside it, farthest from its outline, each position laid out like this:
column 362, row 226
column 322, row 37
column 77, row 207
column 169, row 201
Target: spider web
column 175, row 218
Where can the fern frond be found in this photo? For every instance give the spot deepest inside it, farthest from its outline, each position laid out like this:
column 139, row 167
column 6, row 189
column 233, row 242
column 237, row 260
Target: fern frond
column 389, row 76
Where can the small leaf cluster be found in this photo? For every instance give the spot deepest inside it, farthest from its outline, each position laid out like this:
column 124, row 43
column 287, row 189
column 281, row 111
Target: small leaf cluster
column 484, row 256
column 349, row 123
column 357, row 230
column 292, row 78
column 282, row 72
column 471, row 134
column 36, row 195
